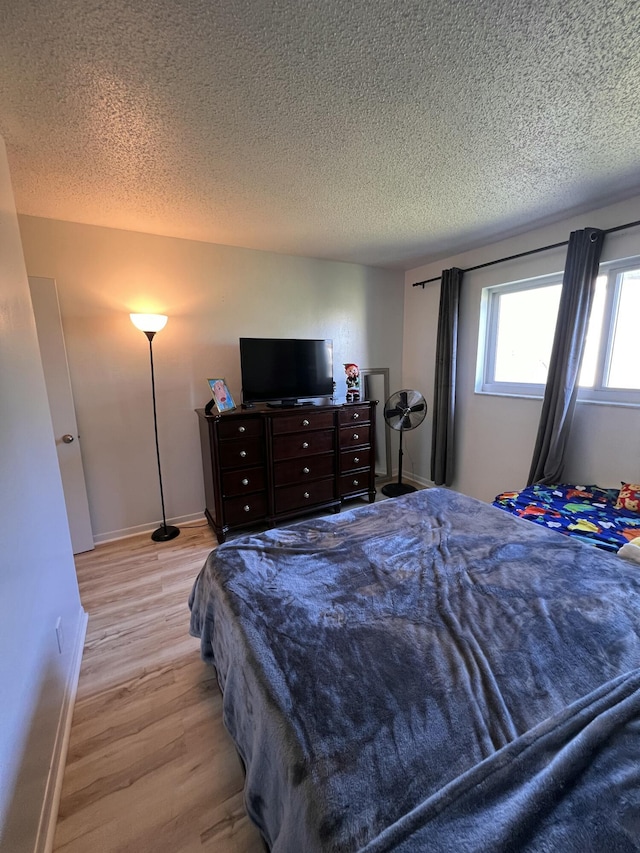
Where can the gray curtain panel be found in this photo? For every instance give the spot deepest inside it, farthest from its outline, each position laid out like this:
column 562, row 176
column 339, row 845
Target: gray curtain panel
column 444, row 394
column 578, row 287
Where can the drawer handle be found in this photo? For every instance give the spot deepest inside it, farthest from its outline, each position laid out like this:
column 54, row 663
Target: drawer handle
column 305, row 470
column 243, row 453
column 355, row 416
column 305, row 444
column 246, row 508
column 305, row 422
column 306, row 495
column 245, row 482
column 356, row 483
column 241, row 429
column 355, row 436
column 356, row 459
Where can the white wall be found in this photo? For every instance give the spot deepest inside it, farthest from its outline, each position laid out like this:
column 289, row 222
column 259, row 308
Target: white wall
column 37, row 576
column 213, row 295
column 495, row 435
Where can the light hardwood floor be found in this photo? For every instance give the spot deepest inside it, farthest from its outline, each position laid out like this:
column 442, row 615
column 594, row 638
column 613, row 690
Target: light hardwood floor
column 150, row 768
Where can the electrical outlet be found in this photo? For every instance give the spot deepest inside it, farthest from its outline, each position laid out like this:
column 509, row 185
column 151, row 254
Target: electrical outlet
column 59, row 634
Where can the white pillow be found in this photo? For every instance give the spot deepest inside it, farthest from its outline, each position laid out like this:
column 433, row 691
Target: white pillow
column 631, row 550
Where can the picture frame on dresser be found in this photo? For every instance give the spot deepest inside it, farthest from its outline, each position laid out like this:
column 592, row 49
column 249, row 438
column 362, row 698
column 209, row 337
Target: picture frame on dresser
column 222, row 398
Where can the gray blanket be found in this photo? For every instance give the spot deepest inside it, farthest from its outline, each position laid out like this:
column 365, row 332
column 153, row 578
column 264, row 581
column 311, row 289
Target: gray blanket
column 428, row 674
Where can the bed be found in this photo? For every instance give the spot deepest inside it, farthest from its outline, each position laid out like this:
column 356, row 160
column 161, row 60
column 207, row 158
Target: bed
column 590, row 514
column 428, row 674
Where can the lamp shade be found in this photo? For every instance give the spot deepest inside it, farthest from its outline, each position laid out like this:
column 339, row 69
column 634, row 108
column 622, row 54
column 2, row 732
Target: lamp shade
column 149, row 322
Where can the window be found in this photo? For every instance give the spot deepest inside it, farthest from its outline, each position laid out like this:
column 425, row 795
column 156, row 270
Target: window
column 517, row 325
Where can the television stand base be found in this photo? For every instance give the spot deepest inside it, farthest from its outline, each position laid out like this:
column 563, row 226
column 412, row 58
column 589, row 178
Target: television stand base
column 286, row 404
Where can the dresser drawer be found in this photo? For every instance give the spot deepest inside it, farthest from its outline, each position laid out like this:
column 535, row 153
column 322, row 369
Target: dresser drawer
column 241, row 452
column 238, row 427
column 357, row 481
column 302, row 444
column 302, row 421
column 354, row 415
column 289, row 498
column 303, row 470
column 243, row 481
column 245, row 508
column 353, row 436
column 352, row 459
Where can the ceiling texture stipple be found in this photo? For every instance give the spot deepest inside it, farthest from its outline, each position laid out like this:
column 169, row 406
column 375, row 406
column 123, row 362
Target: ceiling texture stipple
column 377, row 132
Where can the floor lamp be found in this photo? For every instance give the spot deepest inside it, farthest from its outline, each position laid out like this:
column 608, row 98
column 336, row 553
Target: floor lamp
column 150, row 324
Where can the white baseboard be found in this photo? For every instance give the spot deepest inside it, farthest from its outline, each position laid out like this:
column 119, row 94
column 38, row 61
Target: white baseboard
column 126, row 532
column 51, row 801
column 412, row 479
column 421, row 481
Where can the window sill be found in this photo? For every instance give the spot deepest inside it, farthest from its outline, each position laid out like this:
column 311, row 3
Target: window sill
column 514, row 394
column 580, row 401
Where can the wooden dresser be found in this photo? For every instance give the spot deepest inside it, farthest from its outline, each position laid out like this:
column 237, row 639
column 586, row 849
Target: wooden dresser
column 265, row 465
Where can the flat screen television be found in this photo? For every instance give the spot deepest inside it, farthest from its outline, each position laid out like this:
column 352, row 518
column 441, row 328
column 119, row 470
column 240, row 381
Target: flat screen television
column 285, row 371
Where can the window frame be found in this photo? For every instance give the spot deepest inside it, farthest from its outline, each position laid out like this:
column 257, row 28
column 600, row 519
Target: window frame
column 601, row 392
column 487, row 343
column 487, row 340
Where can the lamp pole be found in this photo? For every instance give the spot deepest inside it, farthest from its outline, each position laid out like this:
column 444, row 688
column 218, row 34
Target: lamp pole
column 150, row 324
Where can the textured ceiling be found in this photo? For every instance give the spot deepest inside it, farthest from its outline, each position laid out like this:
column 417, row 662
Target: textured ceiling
column 377, row 132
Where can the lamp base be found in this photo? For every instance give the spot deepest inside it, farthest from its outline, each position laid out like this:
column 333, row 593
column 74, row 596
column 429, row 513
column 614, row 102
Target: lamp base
column 394, row 490
column 165, row 533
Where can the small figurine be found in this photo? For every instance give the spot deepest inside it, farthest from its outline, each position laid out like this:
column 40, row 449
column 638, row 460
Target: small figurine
column 353, row 382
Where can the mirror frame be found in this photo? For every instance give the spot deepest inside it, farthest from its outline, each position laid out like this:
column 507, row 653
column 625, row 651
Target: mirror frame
column 383, row 443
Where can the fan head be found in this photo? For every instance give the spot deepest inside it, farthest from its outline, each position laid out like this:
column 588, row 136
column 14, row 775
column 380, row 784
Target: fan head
column 405, row 409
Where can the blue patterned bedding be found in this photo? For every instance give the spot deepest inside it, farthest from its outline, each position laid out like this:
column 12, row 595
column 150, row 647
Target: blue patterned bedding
column 428, row 674
column 586, row 513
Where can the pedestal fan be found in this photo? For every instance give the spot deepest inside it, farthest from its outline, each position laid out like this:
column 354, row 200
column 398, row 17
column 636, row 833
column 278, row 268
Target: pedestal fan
column 404, row 410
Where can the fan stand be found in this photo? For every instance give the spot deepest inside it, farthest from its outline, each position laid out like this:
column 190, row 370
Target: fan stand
column 394, row 490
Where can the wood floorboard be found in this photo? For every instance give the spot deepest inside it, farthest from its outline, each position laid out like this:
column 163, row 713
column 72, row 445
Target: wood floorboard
column 150, row 765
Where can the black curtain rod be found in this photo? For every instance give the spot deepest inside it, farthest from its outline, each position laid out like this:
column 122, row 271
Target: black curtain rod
column 524, row 254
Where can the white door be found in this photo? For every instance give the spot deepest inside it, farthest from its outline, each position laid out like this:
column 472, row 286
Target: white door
column 44, row 297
